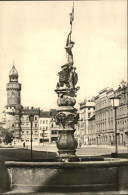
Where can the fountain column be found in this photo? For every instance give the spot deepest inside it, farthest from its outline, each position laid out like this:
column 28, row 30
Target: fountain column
column 67, row 115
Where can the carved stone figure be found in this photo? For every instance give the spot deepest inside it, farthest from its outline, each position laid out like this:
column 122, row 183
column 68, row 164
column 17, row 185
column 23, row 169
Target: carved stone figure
column 73, row 78
column 63, row 77
column 68, row 47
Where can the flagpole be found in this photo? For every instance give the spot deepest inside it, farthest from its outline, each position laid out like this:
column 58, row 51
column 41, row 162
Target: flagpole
column 72, row 15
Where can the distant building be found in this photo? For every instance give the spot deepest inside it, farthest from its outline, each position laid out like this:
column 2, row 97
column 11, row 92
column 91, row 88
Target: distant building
column 122, row 114
column 44, row 126
column 104, row 116
column 86, row 110
column 17, row 117
column 54, row 129
column 26, row 126
column 92, row 131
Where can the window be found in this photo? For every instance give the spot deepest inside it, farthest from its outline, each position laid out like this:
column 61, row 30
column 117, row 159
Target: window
column 43, row 121
column 46, row 128
column 46, row 121
column 54, row 132
column 89, row 114
column 17, row 117
column 40, row 121
column 35, row 125
column 35, row 118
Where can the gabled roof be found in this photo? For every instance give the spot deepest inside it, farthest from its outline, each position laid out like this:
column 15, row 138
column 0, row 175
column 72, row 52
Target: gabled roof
column 45, row 114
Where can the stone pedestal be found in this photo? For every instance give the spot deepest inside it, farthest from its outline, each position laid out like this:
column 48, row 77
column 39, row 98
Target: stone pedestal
column 67, row 116
column 67, row 145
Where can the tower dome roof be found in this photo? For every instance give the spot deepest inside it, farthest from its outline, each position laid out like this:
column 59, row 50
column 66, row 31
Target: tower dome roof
column 13, row 72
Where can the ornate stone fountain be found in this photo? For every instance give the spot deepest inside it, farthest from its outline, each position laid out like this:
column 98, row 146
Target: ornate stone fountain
column 67, row 115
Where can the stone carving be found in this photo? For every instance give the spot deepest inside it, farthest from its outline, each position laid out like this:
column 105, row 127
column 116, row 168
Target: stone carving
column 63, row 77
column 67, row 119
column 68, row 78
column 64, row 100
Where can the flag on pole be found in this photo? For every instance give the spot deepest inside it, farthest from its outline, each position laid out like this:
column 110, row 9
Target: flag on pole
column 72, row 15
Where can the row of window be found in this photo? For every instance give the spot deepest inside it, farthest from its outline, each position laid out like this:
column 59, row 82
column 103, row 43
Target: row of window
column 28, row 124
column 29, row 132
column 122, row 123
column 54, row 132
column 43, row 121
column 102, row 103
column 122, row 111
column 43, row 134
column 29, row 140
column 27, row 118
column 108, row 114
column 44, row 128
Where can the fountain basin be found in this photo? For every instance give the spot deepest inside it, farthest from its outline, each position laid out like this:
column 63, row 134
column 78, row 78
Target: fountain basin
column 108, row 175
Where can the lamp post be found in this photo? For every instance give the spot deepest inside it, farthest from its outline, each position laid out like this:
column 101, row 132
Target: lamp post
column 115, row 104
column 31, row 118
column 43, row 136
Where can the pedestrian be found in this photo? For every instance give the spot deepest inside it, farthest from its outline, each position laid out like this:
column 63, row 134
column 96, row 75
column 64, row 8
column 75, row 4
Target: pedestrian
column 24, row 144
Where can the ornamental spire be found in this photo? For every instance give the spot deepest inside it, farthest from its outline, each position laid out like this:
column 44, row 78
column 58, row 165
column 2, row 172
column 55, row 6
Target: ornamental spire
column 13, row 71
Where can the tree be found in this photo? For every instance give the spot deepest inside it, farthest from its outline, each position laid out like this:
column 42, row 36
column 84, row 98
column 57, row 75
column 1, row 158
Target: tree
column 6, row 135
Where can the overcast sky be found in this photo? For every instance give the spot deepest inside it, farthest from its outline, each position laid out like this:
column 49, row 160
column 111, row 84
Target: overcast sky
column 33, row 34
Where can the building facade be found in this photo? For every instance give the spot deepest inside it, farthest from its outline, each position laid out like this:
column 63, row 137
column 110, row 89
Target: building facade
column 26, row 125
column 86, row 110
column 44, row 127
column 122, row 114
column 105, row 118
column 92, row 131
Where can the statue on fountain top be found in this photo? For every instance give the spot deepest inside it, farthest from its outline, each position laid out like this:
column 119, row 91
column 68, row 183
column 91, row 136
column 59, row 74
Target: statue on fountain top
column 68, row 47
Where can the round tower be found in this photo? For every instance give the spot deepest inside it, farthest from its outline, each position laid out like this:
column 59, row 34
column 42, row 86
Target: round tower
column 13, row 89
column 13, row 99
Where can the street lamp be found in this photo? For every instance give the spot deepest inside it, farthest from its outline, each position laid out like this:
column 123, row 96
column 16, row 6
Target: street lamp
column 31, row 118
column 115, row 104
column 43, row 136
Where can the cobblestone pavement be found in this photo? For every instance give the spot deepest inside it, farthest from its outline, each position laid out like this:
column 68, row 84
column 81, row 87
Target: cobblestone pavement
column 85, row 150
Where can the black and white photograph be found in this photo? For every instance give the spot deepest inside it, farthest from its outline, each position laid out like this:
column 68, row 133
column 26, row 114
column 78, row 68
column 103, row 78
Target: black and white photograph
column 63, row 97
